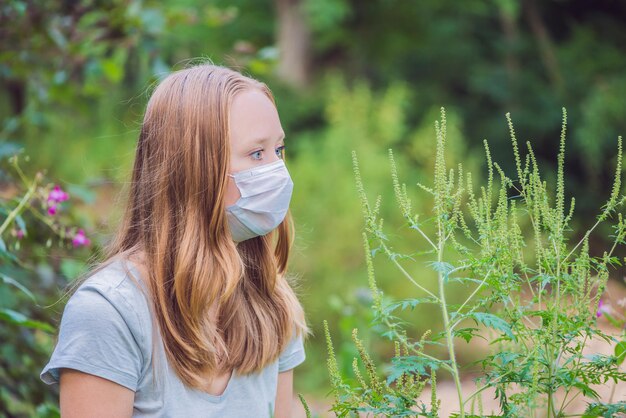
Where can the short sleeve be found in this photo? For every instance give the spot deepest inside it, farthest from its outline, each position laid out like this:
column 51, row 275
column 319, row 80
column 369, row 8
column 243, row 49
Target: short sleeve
column 95, row 338
column 293, row 354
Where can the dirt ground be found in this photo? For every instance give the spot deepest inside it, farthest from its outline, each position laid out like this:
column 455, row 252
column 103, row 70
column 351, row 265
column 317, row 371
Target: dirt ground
column 447, row 393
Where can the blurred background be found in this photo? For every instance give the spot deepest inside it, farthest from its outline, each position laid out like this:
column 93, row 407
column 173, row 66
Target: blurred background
column 347, row 75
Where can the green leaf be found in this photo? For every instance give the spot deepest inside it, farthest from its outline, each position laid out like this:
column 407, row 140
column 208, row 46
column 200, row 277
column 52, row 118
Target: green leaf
column 586, row 390
column 411, row 364
column 463, row 280
column 112, row 70
column 457, row 415
column 506, row 357
column 605, row 410
column 17, row 318
column 84, row 193
column 6, row 254
column 493, row 321
column 441, row 267
column 405, row 304
column 593, row 411
column 466, row 333
column 545, row 280
column 8, row 280
column 620, row 351
column 9, row 148
column 614, row 321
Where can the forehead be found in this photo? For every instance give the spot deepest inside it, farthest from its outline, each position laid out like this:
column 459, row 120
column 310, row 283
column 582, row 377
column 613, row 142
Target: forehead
column 253, row 117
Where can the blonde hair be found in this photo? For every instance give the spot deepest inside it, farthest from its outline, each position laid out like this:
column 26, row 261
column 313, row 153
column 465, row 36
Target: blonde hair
column 175, row 216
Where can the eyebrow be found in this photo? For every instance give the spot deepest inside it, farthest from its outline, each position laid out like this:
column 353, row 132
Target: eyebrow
column 262, row 140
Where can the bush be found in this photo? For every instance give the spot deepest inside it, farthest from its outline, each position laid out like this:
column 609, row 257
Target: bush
column 38, row 236
column 534, row 295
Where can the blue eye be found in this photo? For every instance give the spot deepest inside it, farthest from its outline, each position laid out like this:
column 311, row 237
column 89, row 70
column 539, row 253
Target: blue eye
column 280, row 151
column 256, row 155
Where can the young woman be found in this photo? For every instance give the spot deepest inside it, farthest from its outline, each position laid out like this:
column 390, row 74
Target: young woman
column 191, row 314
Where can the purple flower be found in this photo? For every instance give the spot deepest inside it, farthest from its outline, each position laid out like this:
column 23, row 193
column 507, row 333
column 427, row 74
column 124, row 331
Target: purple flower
column 80, row 239
column 19, row 234
column 57, row 195
column 603, row 309
column 52, row 209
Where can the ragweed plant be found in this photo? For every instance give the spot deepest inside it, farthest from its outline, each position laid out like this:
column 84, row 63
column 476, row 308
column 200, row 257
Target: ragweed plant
column 533, row 293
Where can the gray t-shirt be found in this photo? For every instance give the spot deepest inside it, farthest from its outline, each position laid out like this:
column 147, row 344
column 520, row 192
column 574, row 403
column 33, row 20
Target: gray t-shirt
column 106, row 330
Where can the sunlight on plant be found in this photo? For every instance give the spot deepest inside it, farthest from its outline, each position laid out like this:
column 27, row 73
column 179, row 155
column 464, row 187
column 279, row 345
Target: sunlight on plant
column 537, row 293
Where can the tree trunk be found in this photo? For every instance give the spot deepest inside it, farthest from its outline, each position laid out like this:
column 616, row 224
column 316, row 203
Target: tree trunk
column 294, row 44
column 16, row 90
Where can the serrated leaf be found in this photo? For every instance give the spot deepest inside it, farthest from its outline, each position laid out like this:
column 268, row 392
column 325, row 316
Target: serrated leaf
column 463, row 280
column 441, row 267
column 506, row 357
column 544, row 280
column 407, row 303
column 493, row 321
column 586, row 390
column 605, row 410
column 411, row 364
column 457, row 415
column 466, row 333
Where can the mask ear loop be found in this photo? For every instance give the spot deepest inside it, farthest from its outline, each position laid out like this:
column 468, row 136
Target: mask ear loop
column 237, row 187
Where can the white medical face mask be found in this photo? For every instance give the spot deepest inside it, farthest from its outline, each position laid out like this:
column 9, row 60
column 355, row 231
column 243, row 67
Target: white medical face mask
column 265, row 196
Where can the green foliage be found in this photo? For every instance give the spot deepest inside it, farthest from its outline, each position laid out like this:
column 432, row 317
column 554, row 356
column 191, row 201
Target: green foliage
column 324, row 204
column 75, row 77
column 536, row 292
column 605, row 410
column 37, row 231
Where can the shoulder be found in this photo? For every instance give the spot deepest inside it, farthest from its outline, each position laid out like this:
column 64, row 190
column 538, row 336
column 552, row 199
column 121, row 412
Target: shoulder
column 105, row 329
column 116, row 284
column 110, row 294
column 293, row 354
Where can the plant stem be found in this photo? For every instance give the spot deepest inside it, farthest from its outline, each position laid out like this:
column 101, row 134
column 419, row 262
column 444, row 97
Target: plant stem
column 469, row 298
column 486, row 386
column 15, row 212
column 555, row 324
column 413, row 349
column 569, row 389
column 406, row 274
column 449, row 338
column 415, row 226
column 551, row 405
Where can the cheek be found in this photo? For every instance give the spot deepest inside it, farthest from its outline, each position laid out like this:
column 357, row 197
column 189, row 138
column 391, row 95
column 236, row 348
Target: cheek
column 232, row 192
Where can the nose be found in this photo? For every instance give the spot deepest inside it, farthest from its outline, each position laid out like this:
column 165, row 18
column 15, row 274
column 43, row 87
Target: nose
column 272, row 159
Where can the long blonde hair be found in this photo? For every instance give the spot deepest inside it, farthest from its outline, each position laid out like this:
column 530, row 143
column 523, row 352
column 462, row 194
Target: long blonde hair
column 175, row 216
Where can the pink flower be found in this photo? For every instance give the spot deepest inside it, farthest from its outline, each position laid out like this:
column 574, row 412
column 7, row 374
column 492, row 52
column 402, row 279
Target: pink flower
column 603, row 309
column 80, row 239
column 57, row 195
column 19, row 234
column 52, row 210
